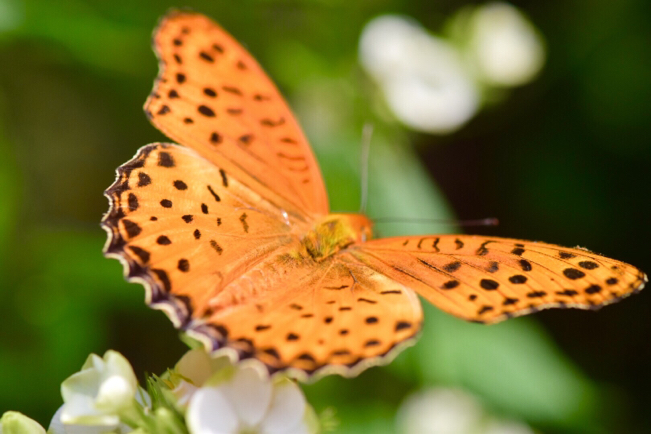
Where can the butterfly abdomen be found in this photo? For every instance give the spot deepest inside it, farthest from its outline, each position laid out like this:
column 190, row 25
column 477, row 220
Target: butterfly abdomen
column 334, row 233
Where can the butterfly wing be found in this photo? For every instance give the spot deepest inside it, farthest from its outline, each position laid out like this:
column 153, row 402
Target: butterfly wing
column 491, row 279
column 185, row 228
column 212, row 96
column 338, row 317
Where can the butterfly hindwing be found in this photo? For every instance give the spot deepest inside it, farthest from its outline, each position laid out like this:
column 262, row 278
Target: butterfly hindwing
column 212, row 96
column 338, row 316
column 491, row 279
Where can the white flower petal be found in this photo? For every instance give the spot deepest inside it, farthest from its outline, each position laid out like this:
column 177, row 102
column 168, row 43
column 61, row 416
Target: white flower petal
column 432, row 104
column 286, row 410
column 507, row 48
column 384, row 44
column 195, row 366
column 117, row 365
column 184, row 392
column 210, row 412
column 14, row 422
column 439, row 411
column 58, row 427
column 85, row 382
column 114, row 394
column 80, row 406
column 93, row 361
column 250, row 394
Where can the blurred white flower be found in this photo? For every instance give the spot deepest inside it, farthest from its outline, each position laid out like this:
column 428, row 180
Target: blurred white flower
column 422, row 76
column 505, row 48
column 97, row 395
column 451, row 411
column 244, row 399
column 13, row 422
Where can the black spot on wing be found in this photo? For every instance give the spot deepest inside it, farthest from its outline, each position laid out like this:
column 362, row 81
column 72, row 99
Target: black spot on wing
column 489, row 284
column 141, row 253
column 401, row 325
column 143, row 179
column 183, row 265
column 245, row 225
column 517, row 279
column 180, row 185
column 132, row 228
column 567, row 292
column 573, row 273
column 452, row 266
column 207, row 57
column 165, row 159
column 224, row 177
column 517, row 251
column 214, row 195
column 206, row 111
column 133, row 202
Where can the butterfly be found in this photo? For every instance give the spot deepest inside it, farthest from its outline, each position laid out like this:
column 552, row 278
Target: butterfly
column 231, row 235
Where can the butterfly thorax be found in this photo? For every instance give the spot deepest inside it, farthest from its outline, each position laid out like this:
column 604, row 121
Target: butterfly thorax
column 334, row 233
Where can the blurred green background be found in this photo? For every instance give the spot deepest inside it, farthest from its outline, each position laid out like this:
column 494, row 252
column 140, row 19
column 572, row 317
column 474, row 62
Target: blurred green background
column 564, row 159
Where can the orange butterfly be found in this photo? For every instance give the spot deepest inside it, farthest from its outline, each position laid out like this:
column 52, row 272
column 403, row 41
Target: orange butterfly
column 232, row 237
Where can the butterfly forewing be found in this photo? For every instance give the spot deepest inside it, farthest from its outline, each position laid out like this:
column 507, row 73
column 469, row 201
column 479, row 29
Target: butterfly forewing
column 211, row 95
column 491, row 279
column 187, row 228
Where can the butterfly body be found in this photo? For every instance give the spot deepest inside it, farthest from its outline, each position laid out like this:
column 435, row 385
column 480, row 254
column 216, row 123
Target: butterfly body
column 334, row 233
column 232, row 237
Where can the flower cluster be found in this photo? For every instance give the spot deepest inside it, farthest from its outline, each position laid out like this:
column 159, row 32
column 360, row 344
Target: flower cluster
column 200, row 395
column 436, row 84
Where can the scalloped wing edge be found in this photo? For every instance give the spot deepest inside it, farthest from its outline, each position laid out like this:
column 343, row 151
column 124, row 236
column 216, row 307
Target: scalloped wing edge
column 210, row 338
column 176, row 308
column 635, row 288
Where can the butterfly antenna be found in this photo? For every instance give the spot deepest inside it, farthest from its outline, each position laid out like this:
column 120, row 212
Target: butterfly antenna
column 367, row 133
column 490, row 221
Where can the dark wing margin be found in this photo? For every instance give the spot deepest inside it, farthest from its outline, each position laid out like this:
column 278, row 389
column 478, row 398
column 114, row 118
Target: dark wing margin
column 157, row 294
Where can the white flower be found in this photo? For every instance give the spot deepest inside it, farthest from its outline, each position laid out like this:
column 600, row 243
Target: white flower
column 100, row 392
column 194, row 369
column 241, row 399
column 505, row 48
column 13, row 422
column 422, row 77
column 451, row 411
